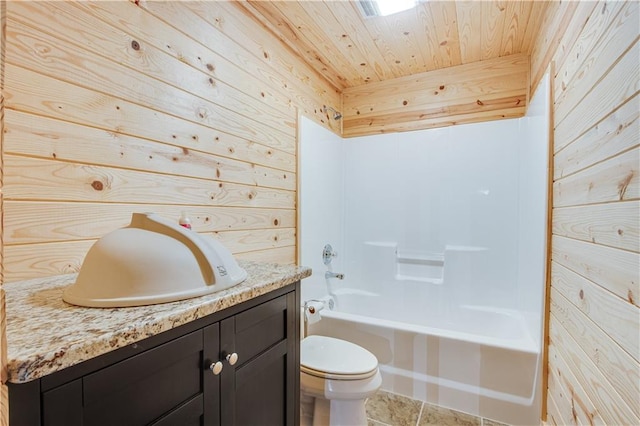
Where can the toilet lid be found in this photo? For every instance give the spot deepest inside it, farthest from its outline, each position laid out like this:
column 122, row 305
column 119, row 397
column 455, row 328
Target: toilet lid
column 334, row 357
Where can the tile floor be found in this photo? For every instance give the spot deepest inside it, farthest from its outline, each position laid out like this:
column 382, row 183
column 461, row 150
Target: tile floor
column 388, row 409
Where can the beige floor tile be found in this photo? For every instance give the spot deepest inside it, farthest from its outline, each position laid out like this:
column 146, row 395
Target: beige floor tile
column 392, row 409
column 440, row 416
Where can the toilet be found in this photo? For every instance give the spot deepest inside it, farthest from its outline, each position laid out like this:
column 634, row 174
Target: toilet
column 339, row 375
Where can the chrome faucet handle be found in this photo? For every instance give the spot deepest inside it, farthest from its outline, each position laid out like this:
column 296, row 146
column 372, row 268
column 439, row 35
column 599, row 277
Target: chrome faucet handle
column 330, row 274
column 328, row 254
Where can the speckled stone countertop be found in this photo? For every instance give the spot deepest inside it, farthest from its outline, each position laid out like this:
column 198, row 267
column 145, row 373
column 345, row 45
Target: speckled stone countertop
column 46, row 334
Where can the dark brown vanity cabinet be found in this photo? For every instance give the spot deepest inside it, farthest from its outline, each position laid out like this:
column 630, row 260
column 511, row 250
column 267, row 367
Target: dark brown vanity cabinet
column 169, row 379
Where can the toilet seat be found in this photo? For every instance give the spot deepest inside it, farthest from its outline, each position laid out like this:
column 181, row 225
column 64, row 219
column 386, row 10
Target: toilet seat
column 336, row 359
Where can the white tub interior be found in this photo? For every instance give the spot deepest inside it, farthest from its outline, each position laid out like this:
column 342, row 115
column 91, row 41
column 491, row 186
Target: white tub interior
column 441, row 237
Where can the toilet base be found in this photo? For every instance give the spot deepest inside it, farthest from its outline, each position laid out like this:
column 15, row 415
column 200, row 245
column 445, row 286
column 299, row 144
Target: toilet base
column 339, row 412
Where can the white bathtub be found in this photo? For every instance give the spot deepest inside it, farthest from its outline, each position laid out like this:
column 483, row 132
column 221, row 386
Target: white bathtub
column 475, row 359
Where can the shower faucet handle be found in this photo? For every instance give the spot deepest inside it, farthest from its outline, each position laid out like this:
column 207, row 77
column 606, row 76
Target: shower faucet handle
column 328, row 253
column 330, row 274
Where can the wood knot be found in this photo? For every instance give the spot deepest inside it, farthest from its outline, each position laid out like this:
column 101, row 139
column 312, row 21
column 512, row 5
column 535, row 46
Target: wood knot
column 276, row 222
column 97, row 185
column 135, row 45
column 404, row 102
column 210, row 67
column 442, row 87
column 479, row 102
column 581, row 294
column 622, row 186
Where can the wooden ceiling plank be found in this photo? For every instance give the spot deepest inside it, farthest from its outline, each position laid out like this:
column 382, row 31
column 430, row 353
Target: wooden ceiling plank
column 272, row 19
column 516, row 17
column 493, row 13
column 444, row 16
column 335, row 34
column 538, row 9
column 353, row 22
column 378, row 30
column 326, row 50
column 425, row 35
column 469, row 15
column 400, row 28
column 295, row 17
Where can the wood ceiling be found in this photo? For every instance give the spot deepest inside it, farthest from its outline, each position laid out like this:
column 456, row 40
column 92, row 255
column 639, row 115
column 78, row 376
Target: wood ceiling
column 350, row 50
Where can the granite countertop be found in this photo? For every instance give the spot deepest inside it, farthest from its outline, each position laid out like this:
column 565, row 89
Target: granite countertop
column 46, row 334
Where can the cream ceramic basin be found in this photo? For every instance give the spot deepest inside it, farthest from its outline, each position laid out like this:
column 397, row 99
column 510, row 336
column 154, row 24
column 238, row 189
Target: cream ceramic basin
column 152, row 261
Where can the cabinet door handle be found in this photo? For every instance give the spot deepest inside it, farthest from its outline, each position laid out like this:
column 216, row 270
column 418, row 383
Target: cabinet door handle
column 232, row 358
column 216, row 367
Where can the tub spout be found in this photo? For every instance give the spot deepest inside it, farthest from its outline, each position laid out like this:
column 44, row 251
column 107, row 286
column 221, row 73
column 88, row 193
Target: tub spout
column 330, row 274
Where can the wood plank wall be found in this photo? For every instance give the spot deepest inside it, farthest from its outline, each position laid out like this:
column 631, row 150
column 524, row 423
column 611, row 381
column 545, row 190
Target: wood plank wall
column 481, row 91
column 594, row 326
column 116, row 107
column 4, row 390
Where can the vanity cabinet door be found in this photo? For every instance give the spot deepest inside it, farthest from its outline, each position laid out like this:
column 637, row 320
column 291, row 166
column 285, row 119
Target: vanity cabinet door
column 62, row 406
column 260, row 389
column 188, row 414
column 145, row 387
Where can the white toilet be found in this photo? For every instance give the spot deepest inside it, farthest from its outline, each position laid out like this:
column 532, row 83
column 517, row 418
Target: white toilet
column 339, row 375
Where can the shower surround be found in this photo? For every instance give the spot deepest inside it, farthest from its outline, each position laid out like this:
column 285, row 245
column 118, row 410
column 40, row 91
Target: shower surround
column 441, row 235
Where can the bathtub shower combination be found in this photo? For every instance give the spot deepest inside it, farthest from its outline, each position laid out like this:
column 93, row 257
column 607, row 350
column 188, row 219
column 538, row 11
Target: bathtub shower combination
column 441, row 236
column 477, row 359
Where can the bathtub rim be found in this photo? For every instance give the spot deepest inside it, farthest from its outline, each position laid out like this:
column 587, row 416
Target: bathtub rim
column 524, row 344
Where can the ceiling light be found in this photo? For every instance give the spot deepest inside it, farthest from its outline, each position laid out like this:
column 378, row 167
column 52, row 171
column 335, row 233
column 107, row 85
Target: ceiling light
column 371, row 8
column 389, row 7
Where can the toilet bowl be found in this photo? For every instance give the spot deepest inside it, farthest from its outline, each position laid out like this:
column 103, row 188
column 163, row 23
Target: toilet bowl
column 339, row 375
